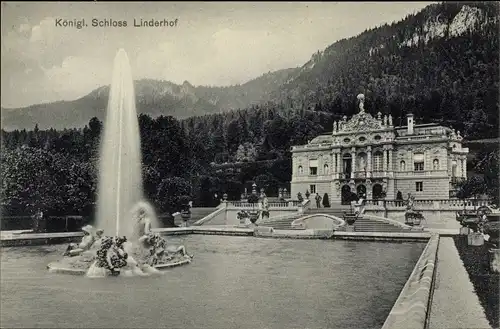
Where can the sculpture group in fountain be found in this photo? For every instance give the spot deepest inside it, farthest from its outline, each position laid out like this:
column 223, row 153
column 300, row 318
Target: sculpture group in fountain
column 100, row 255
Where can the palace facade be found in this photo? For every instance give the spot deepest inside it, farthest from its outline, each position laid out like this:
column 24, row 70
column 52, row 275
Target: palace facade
column 369, row 155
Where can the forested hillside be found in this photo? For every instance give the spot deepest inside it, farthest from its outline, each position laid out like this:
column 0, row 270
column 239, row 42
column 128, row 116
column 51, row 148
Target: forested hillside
column 441, row 64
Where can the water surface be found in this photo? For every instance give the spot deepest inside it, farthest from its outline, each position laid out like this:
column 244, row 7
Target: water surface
column 233, row 282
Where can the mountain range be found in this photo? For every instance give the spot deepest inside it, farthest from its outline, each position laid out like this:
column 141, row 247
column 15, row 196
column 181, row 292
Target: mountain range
column 448, row 48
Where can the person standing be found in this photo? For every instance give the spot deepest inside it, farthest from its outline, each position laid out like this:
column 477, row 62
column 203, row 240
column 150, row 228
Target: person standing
column 38, row 221
column 318, row 201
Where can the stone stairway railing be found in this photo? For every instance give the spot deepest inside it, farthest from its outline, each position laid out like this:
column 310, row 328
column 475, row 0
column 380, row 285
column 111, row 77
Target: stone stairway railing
column 411, row 309
column 210, row 216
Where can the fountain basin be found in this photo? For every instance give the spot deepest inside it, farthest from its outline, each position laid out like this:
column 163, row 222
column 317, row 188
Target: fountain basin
column 62, row 268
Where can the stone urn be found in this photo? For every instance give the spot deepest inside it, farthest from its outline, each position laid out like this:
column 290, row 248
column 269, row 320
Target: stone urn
column 350, row 219
column 242, row 217
column 254, row 216
column 185, row 215
column 253, row 199
column 492, row 227
column 413, row 218
column 475, row 239
column 494, row 260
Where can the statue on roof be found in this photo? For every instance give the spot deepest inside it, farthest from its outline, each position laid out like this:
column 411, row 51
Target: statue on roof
column 361, row 99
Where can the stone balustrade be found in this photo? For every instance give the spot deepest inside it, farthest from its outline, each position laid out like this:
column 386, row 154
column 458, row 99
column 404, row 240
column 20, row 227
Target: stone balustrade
column 411, row 308
column 437, row 204
column 246, row 205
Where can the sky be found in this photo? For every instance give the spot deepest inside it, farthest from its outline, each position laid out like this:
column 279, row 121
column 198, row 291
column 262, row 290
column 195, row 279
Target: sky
column 215, row 44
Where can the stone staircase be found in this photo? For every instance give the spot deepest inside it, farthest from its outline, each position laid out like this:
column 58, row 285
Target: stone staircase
column 281, row 224
column 361, row 225
column 370, row 225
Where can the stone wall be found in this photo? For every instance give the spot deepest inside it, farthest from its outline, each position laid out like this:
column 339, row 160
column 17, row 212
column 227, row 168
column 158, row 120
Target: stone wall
column 445, row 219
column 433, row 187
column 411, row 307
column 322, row 187
column 229, row 215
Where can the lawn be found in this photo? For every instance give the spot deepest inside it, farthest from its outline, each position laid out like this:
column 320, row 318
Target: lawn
column 486, row 283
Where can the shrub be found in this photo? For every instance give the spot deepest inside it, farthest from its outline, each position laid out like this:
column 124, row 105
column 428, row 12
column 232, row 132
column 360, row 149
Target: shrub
column 326, row 201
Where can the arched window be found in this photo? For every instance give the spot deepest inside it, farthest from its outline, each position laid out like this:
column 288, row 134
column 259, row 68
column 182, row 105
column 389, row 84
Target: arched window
column 402, row 166
column 454, row 168
column 301, row 171
column 377, row 161
column 418, row 161
column 435, row 164
column 326, row 169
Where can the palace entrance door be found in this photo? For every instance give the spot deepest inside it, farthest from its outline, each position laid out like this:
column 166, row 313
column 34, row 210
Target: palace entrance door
column 346, row 194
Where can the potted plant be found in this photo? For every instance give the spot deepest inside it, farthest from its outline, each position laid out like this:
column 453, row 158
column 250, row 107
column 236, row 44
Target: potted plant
column 254, row 214
column 242, row 216
column 299, row 197
column 307, row 194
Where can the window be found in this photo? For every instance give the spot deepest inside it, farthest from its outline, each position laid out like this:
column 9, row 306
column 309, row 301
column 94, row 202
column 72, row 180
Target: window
column 313, row 167
column 419, row 166
column 301, row 170
column 435, row 164
column 419, row 186
column 454, row 168
column 377, row 161
column 402, row 166
column 377, row 138
column 362, row 139
column 326, row 169
column 312, row 188
column 346, row 140
column 418, row 161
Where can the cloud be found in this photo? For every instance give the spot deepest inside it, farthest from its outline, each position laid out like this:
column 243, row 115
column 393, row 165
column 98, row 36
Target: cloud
column 228, row 56
column 76, row 77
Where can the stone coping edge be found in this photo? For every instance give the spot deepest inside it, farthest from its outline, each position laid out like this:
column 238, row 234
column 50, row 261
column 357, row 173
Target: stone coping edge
column 259, row 231
column 411, row 309
column 72, row 271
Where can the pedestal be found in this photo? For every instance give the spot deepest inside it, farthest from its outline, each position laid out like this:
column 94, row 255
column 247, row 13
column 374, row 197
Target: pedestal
column 494, row 260
column 464, row 231
column 475, row 239
column 350, row 228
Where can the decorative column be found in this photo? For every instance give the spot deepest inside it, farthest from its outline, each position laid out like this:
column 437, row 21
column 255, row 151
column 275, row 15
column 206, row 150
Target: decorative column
column 449, row 165
column 464, row 168
column 332, row 165
column 390, row 151
column 335, row 167
column 339, row 162
column 353, row 163
column 384, row 160
column 369, row 162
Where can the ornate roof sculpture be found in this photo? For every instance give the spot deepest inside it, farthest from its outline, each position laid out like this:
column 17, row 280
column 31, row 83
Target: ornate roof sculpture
column 361, row 121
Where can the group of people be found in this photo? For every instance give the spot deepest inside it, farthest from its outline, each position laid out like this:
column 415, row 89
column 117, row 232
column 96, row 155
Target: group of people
column 118, row 256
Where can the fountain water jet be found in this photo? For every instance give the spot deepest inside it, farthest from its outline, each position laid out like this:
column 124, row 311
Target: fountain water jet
column 120, row 175
column 121, row 210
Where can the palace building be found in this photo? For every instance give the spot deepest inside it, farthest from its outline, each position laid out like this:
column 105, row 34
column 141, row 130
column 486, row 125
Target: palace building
column 370, row 156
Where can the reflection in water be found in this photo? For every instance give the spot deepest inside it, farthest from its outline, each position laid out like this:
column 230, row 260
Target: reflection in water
column 236, row 282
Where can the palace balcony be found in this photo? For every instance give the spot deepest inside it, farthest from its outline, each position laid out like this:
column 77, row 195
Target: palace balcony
column 363, row 175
